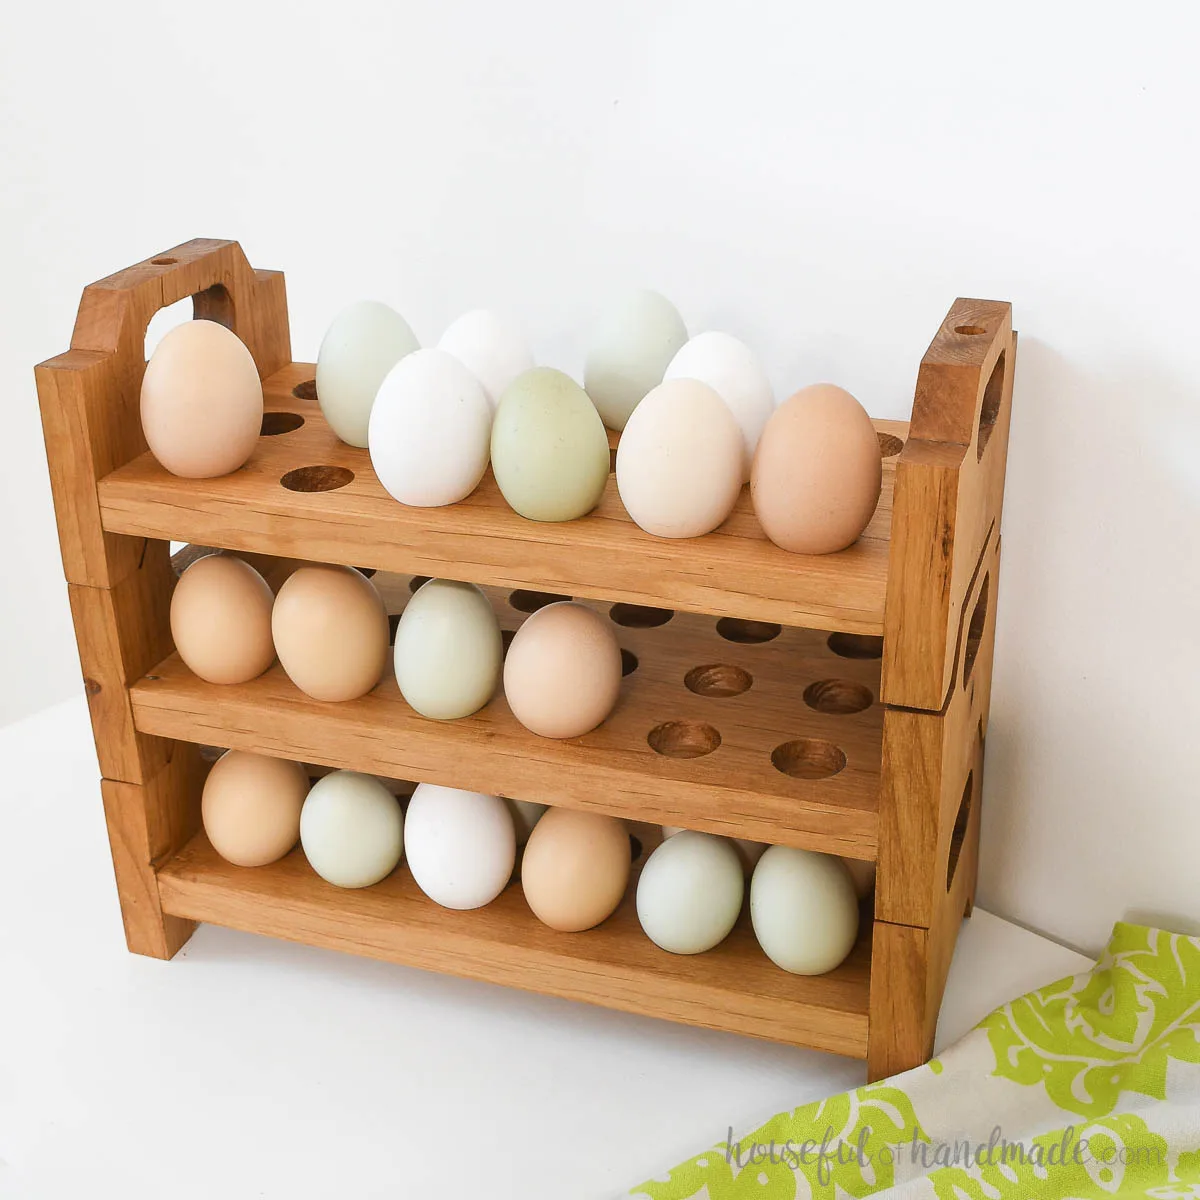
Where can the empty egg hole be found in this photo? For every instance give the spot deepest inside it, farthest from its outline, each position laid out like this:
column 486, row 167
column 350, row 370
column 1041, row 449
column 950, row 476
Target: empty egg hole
column 840, row 697
column 889, row 444
column 635, row 848
column 990, row 409
column 959, row 833
column 275, row 423
column 808, row 758
column 393, row 625
column 975, row 630
column 629, row 662
column 719, row 680
column 322, row 478
column 748, row 633
column 306, row 390
column 163, row 262
column 683, row 739
column 855, row 645
column 529, row 602
column 637, row 616
column 417, row 582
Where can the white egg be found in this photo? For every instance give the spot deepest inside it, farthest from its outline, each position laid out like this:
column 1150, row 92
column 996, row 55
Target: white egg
column 690, row 892
column 362, row 345
column 679, row 461
column 525, row 814
column 448, row 650
column 629, row 351
column 461, row 845
column 430, row 430
column 490, row 347
column 352, row 829
column 749, row 852
column 804, row 910
column 733, row 371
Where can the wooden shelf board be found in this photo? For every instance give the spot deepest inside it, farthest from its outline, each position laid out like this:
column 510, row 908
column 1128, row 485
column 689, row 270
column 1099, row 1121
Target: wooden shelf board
column 735, row 790
column 733, row 987
column 733, row 571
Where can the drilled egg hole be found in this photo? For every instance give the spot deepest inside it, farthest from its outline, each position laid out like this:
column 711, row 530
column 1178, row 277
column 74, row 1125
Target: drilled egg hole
column 163, row 262
column 417, row 582
column 970, row 330
column 719, row 680
column 683, row 739
column 808, row 758
column 959, row 834
column 637, row 616
column 975, row 630
column 529, row 602
column 839, row 697
column 629, row 662
column 635, row 848
column 748, row 633
column 889, row 445
column 989, row 412
column 275, row 423
column 306, row 390
column 393, row 625
column 321, row 478
column 855, row 645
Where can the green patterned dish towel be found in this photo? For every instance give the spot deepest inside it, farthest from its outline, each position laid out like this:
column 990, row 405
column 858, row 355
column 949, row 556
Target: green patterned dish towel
column 1089, row 1087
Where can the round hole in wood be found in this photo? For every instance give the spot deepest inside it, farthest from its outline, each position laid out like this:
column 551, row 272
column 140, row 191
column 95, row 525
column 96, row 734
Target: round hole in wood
column 855, row 645
column 629, row 662
column 975, row 630
column 638, row 616
column 635, row 848
column 808, row 758
column 393, row 625
column 163, row 262
column 840, row 697
column 529, row 602
column 306, row 390
column 970, row 330
column 718, row 679
column 683, row 739
column 321, row 478
column 748, row 633
column 275, row 423
column 417, row 581
column 889, row 444
column 959, row 833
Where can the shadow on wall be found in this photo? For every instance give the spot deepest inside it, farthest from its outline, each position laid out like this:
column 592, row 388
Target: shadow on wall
column 1090, row 811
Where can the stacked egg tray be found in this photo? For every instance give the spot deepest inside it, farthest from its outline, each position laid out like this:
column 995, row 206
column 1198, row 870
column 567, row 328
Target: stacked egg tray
column 835, row 703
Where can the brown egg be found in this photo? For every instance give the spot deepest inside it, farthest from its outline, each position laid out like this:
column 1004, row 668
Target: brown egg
column 221, row 620
column 251, row 807
column 562, row 674
column 817, row 471
column 201, row 401
column 575, row 868
column 331, row 632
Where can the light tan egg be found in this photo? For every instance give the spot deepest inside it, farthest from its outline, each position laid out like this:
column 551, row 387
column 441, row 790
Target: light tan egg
column 817, row 471
column 201, row 401
column 251, row 807
column 331, row 632
column 221, row 620
column 575, row 868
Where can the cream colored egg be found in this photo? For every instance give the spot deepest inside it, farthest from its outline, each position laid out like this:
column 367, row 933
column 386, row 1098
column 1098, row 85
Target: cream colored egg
column 747, row 851
column 221, row 620
column 201, row 401
column 679, row 461
column 818, row 471
column 331, row 632
column 491, row 347
column 352, row 829
column 251, row 806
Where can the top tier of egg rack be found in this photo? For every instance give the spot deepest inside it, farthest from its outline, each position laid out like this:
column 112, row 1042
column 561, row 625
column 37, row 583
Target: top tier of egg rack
column 902, row 622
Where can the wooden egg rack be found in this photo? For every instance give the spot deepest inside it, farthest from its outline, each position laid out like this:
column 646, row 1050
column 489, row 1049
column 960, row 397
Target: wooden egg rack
column 836, row 703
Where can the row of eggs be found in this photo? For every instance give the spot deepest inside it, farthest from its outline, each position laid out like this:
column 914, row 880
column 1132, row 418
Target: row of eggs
column 328, row 626
column 461, row 848
column 697, row 419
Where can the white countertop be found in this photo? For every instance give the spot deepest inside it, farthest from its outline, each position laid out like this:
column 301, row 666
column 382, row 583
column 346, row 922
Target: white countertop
column 254, row 1068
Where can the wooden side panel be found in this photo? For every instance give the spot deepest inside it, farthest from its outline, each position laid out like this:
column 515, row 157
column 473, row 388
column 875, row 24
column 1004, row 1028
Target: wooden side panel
column 947, row 501
column 147, row 824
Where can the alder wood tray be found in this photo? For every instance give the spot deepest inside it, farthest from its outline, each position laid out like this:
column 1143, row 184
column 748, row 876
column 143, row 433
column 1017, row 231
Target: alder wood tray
column 836, row 703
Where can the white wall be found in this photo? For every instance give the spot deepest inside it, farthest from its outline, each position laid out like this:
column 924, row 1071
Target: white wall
column 816, row 179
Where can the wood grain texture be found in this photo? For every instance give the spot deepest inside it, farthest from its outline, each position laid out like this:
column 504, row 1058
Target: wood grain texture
column 733, row 987
column 147, row 823
column 949, row 490
column 733, row 571
column 735, row 790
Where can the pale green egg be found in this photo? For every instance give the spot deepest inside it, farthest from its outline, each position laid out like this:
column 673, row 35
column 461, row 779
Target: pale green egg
column 549, row 447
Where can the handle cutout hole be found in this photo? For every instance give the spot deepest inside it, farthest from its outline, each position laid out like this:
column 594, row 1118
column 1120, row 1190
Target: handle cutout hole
column 166, row 319
column 975, row 630
column 718, row 679
column 683, row 739
column 808, row 758
column 992, row 395
column 959, row 833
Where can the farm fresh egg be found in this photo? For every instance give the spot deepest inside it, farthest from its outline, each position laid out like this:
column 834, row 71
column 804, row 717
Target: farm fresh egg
column 490, row 347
